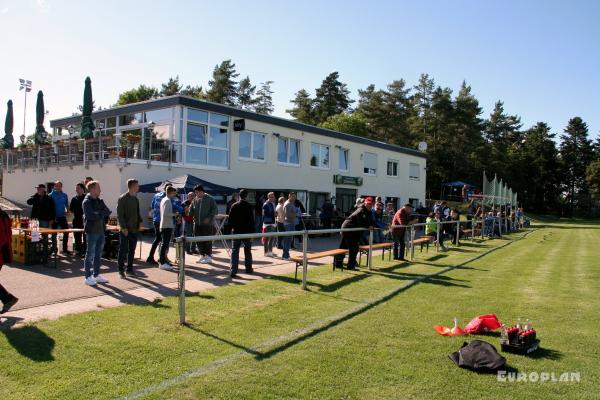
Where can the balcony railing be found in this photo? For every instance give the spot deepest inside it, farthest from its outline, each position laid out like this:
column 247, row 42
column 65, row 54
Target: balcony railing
column 91, row 151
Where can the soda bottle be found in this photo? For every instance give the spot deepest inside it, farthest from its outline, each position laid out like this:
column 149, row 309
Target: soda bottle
column 519, row 325
column 527, row 325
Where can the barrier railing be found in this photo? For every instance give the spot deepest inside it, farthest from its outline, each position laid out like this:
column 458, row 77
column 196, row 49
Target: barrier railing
column 183, row 240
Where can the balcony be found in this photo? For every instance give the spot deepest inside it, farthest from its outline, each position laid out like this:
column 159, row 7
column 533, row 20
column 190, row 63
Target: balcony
column 111, row 149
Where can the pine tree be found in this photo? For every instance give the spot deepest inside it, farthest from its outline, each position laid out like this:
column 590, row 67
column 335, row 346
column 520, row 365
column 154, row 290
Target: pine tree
column 172, row 87
column 398, row 108
column 371, row 107
column 331, row 98
column 245, row 94
column 576, row 154
column 223, row 87
column 264, row 99
column 193, row 91
column 421, row 120
column 503, row 133
column 303, row 110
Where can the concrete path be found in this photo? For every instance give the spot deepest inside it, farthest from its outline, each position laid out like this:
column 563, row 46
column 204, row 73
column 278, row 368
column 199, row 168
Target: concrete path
column 48, row 293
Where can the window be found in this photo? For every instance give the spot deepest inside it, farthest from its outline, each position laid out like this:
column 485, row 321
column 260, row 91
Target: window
column 207, row 139
column 392, row 168
column 343, row 159
column 163, row 114
column 319, row 156
column 414, row 171
column 130, row 119
column 252, row 145
column 288, row 151
column 370, row 163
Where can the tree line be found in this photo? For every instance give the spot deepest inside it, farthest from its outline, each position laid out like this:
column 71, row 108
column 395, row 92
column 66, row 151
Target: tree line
column 551, row 174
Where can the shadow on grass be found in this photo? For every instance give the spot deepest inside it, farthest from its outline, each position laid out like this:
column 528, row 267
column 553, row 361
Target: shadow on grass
column 461, row 250
column 437, row 257
column 223, row 340
column 548, row 354
column 31, row 342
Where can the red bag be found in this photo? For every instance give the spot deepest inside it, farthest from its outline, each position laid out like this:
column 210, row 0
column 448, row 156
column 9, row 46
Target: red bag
column 483, row 323
column 263, row 239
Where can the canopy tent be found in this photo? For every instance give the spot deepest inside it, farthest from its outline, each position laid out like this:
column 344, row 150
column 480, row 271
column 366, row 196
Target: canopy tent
column 185, row 184
column 459, row 184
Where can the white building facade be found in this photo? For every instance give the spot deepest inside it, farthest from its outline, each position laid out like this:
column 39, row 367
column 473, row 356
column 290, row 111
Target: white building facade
column 172, row 136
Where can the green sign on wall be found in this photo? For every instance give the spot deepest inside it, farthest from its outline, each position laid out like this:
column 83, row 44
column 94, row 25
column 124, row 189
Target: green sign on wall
column 347, row 180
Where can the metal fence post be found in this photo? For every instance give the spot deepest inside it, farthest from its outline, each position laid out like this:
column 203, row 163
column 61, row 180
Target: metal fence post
column 370, row 254
column 304, row 260
column 437, row 245
column 412, row 243
column 180, row 247
column 457, row 233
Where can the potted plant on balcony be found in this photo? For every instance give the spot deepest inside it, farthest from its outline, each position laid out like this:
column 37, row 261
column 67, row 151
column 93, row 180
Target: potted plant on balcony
column 123, row 147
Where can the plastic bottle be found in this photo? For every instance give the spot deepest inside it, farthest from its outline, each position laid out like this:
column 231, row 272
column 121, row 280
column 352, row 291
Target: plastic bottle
column 519, row 324
column 527, row 325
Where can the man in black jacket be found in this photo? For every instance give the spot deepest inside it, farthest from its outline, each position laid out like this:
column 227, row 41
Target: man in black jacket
column 361, row 218
column 241, row 220
column 76, row 208
column 42, row 207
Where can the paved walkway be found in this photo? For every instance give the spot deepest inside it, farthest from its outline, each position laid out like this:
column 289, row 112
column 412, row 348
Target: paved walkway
column 48, row 293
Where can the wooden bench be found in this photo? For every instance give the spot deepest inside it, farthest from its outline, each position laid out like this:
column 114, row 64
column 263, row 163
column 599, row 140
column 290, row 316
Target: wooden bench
column 423, row 240
column 383, row 246
column 313, row 256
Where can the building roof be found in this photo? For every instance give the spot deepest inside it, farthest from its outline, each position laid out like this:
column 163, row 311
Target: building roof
column 187, row 101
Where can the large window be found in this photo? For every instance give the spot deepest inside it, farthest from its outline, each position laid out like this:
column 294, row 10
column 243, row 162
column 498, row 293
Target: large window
column 288, row 151
column 319, row 156
column 343, row 159
column 370, row 163
column 414, row 171
column 252, row 145
column 392, row 168
column 207, row 139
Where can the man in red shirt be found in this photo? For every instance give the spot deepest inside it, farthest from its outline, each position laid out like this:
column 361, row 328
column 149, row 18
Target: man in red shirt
column 402, row 217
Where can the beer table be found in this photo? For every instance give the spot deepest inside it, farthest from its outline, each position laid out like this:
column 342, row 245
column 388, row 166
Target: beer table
column 44, row 232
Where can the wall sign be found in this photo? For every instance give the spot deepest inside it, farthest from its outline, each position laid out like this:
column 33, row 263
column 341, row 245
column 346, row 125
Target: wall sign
column 239, row 124
column 347, row 180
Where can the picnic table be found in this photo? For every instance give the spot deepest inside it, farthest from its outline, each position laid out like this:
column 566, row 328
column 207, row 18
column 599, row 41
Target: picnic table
column 44, row 238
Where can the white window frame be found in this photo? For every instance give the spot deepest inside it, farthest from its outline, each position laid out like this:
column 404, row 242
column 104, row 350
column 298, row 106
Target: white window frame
column 319, row 160
column 397, row 162
column 208, row 126
column 251, row 158
column 342, row 150
column 414, row 178
column 365, row 160
column 288, row 142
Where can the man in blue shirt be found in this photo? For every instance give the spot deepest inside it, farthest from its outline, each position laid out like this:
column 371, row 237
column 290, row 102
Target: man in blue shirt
column 155, row 206
column 61, row 204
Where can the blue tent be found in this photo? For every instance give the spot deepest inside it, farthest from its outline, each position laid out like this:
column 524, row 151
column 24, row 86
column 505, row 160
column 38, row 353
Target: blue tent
column 185, row 184
column 459, row 184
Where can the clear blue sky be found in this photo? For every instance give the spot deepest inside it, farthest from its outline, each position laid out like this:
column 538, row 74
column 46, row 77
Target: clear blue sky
column 540, row 57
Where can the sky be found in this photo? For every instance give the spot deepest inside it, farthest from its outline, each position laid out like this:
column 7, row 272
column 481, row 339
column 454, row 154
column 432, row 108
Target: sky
column 541, row 58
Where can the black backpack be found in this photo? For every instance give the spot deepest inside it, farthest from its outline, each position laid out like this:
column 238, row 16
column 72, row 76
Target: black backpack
column 478, row 356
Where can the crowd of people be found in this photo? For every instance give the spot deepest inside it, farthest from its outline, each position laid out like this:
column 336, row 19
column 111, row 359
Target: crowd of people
column 195, row 216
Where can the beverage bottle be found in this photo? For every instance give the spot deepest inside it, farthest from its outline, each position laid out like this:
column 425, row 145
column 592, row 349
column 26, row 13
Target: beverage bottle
column 504, row 333
column 519, row 325
column 527, row 325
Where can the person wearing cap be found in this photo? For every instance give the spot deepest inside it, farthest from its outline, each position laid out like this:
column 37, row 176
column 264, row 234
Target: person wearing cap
column 402, row 217
column 362, row 217
column 378, row 223
column 42, row 206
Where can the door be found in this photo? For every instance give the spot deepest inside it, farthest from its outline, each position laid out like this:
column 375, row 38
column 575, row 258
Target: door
column 345, row 199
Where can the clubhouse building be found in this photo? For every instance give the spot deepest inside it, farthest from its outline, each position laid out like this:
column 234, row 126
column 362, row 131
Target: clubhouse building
column 178, row 135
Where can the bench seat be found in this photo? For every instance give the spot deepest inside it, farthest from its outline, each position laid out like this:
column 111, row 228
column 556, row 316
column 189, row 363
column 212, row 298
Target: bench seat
column 313, row 256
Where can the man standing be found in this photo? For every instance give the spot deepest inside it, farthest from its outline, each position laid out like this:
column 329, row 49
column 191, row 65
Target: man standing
column 280, row 218
column 155, row 206
column 290, row 220
column 362, row 217
column 95, row 213
column 402, row 217
column 241, row 219
column 269, row 223
column 61, row 204
column 204, row 210
column 188, row 224
column 42, row 207
column 167, row 226
column 128, row 215
column 76, row 207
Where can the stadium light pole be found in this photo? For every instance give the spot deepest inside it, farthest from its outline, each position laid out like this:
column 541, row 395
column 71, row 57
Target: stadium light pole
column 25, row 84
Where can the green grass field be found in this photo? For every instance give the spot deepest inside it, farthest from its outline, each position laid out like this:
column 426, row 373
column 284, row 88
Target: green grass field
column 353, row 335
